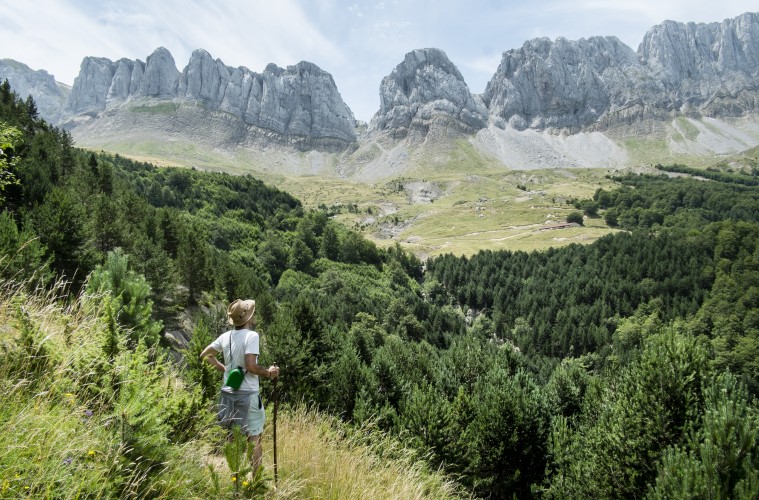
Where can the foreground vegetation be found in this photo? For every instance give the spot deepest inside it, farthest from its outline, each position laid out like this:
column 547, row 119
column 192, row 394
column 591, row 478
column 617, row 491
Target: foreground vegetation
column 622, row 368
column 81, row 421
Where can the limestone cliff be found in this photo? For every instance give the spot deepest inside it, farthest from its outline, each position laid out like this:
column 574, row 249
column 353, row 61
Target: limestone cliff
column 300, row 101
column 680, row 72
column 427, row 90
column 679, row 69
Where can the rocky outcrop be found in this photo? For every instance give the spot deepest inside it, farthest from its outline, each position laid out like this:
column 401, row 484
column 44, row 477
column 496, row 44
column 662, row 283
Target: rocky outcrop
column 425, row 90
column 161, row 77
column 562, row 84
column 103, row 83
column 301, row 101
column 49, row 95
column 205, row 80
column 689, row 69
column 705, row 67
column 126, row 81
column 90, row 90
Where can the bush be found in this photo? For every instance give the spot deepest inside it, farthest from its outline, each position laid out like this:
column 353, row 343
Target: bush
column 575, row 217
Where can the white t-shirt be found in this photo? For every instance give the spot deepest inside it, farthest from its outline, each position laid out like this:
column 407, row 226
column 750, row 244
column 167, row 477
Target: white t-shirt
column 243, row 342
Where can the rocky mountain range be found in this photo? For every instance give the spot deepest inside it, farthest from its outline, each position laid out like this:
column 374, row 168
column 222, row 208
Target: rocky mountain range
column 544, row 90
column 679, row 69
column 300, row 101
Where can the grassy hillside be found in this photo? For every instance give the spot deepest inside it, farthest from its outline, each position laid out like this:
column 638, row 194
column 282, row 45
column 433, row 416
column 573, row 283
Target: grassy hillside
column 76, row 424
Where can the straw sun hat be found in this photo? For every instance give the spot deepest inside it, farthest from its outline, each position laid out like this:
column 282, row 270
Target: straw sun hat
column 239, row 312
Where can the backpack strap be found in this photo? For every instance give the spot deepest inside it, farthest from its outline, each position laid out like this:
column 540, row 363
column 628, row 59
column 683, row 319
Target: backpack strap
column 230, row 348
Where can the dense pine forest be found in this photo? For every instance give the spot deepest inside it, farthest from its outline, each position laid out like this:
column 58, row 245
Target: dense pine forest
column 624, row 368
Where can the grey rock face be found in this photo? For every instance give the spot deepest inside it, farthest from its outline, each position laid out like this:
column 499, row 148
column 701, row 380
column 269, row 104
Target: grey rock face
column 122, row 85
column 49, row 95
column 424, row 88
column 301, row 100
column 589, row 84
column 161, row 76
column 90, row 90
column 204, row 79
column 562, row 84
column 700, row 63
column 692, row 69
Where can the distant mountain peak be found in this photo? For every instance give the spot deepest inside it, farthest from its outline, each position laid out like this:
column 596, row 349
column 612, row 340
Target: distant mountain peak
column 49, row 95
column 427, row 90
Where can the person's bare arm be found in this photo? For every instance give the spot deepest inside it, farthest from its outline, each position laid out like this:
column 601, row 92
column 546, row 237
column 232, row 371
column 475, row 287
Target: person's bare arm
column 252, row 366
column 209, row 354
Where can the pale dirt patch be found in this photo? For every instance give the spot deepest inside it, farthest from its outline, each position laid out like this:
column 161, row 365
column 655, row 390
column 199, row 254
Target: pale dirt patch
column 388, row 230
column 387, row 208
column 422, row 191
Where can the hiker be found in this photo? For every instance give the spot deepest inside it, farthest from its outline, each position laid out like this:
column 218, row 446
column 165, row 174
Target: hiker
column 240, row 347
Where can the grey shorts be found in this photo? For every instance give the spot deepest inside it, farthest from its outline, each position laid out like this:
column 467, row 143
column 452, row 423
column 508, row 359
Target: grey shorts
column 256, row 415
column 244, row 410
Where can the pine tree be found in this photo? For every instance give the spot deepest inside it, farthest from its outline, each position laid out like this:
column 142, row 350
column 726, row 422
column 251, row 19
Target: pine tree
column 130, row 298
column 31, row 109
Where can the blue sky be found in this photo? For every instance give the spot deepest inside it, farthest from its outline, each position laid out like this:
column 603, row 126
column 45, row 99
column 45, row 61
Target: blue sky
column 358, row 42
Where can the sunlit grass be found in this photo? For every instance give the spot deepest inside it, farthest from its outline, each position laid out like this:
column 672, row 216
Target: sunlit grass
column 59, row 439
column 319, row 457
column 689, row 130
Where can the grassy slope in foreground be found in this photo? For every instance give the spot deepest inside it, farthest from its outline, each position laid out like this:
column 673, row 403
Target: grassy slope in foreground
column 58, row 441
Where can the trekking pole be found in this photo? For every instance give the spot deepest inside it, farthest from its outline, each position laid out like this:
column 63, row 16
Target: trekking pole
column 275, row 394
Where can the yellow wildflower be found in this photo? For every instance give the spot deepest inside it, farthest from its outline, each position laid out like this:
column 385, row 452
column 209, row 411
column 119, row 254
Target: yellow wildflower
column 91, row 453
column 245, row 484
column 234, row 479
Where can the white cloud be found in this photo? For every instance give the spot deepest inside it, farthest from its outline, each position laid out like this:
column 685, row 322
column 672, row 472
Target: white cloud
column 56, row 35
column 656, row 11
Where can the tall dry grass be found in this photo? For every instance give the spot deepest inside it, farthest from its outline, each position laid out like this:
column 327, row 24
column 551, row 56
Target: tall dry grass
column 320, row 457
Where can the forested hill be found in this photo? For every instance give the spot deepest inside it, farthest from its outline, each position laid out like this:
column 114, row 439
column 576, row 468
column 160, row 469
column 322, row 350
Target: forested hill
column 624, row 368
